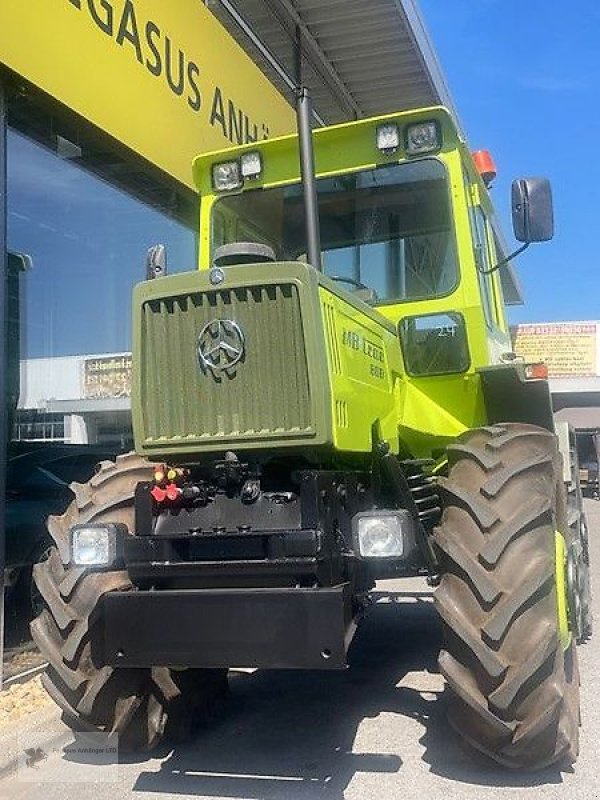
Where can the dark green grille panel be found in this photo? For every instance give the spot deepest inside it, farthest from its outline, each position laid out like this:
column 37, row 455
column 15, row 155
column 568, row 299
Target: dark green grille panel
column 266, row 395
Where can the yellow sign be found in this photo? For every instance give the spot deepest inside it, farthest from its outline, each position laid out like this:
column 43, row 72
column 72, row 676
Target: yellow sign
column 568, row 348
column 163, row 77
column 108, row 376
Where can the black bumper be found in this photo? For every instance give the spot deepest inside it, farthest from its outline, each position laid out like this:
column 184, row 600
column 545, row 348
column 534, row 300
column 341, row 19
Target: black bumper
column 286, row 628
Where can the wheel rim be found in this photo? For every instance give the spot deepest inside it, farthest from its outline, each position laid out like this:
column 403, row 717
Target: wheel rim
column 574, row 593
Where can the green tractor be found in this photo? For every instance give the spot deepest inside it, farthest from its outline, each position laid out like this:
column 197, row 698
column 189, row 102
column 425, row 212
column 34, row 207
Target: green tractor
column 330, row 400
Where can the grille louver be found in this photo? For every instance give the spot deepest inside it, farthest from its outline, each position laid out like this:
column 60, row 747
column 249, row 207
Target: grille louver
column 266, row 394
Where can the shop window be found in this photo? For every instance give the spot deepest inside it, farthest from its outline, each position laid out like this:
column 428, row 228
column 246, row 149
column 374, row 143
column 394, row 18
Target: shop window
column 85, row 241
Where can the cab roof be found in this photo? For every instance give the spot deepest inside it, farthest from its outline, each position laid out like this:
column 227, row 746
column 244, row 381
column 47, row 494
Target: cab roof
column 348, row 146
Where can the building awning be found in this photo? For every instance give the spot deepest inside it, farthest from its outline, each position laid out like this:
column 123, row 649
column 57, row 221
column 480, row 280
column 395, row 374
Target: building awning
column 360, row 59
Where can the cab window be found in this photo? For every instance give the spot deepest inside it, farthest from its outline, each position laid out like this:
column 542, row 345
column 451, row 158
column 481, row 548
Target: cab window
column 389, row 228
column 484, row 257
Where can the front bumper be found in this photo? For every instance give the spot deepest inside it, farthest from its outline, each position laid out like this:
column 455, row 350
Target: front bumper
column 283, row 628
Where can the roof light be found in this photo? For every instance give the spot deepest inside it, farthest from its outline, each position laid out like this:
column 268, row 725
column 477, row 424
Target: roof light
column 227, row 176
column 536, row 371
column 424, row 137
column 251, row 165
column 388, row 137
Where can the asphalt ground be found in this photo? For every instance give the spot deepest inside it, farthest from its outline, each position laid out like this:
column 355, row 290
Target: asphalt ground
column 377, row 730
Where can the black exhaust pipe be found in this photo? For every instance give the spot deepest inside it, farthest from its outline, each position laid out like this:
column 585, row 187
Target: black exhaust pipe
column 309, row 184
column 307, row 164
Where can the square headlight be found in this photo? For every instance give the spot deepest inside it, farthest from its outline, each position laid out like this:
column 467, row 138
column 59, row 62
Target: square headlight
column 97, row 545
column 424, row 137
column 227, row 176
column 251, row 165
column 388, row 137
column 382, row 534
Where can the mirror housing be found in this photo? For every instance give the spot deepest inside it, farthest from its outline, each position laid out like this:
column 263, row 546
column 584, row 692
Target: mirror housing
column 156, row 262
column 532, row 212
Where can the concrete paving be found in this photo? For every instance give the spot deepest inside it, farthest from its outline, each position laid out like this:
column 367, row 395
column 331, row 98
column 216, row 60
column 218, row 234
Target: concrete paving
column 377, row 730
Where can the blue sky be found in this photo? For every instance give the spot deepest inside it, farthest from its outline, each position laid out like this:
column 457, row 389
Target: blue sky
column 525, row 77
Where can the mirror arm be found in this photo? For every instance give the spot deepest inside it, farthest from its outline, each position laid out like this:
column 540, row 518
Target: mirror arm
column 504, row 260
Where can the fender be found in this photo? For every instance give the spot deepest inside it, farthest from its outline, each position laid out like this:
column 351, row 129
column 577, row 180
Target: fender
column 510, row 396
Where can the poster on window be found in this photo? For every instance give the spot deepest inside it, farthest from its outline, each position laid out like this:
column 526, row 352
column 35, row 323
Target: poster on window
column 570, row 349
column 107, row 376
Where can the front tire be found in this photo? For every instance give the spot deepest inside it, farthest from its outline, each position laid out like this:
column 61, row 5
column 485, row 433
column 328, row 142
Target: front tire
column 507, row 656
column 140, row 706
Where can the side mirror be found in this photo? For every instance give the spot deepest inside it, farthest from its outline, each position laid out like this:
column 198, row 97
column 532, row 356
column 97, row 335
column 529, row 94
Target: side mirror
column 18, row 262
column 533, row 217
column 156, row 262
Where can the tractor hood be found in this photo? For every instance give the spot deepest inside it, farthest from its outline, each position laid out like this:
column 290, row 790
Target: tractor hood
column 259, row 357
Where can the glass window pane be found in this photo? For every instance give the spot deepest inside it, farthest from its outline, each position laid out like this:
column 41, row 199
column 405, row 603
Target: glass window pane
column 85, row 243
column 484, row 264
column 388, row 228
column 435, row 344
column 482, row 255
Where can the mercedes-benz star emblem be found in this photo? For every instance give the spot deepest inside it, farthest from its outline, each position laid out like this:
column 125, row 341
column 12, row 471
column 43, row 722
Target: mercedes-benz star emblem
column 221, row 345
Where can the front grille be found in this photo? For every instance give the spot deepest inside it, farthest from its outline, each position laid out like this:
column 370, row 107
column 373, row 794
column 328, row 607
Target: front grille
column 267, row 394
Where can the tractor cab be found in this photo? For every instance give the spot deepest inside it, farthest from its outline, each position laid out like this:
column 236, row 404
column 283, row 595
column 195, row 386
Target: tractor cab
column 406, row 225
column 407, row 228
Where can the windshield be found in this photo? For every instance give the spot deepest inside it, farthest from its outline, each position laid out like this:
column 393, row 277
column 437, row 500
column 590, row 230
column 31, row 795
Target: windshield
column 388, row 228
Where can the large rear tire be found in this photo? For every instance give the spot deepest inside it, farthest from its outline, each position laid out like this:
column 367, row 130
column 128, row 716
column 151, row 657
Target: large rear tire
column 140, row 706
column 508, row 656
